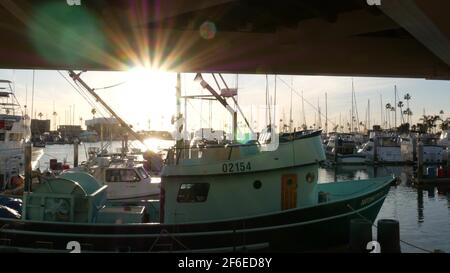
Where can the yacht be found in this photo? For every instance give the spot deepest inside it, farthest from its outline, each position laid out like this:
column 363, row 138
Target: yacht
column 14, row 132
column 432, row 151
column 382, row 148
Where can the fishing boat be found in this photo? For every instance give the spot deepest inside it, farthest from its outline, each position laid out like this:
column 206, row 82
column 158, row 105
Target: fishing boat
column 14, row 132
column 291, row 214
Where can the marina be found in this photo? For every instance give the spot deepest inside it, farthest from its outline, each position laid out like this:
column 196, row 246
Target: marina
column 224, row 127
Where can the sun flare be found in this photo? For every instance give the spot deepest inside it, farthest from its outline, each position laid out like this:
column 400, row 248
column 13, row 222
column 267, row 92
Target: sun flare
column 154, row 93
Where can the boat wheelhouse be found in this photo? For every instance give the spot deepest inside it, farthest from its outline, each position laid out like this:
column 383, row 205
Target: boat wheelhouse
column 126, row 178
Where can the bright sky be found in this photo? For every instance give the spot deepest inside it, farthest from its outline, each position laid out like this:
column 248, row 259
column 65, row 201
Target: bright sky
column 148, row 98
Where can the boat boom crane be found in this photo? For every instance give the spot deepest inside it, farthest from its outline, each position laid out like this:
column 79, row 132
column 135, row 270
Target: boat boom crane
column 222, row 101
column 76, row 77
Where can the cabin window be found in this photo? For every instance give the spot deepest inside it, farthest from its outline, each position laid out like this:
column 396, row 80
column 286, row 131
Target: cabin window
column 122, row 175
column 142, row 172
column 2, row 136
column 193, row 193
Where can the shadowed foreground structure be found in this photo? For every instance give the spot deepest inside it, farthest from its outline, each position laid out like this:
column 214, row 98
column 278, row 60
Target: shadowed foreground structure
column 401, row 38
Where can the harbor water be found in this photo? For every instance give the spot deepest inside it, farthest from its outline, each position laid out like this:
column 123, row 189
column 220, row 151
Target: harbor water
column 423, row 212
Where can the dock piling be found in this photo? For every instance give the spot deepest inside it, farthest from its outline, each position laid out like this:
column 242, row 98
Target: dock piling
column 28, row 168
column 360, row 235
column 388, row 235
column 75, row 153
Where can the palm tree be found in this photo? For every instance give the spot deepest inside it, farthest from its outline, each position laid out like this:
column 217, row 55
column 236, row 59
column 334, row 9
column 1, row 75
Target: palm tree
column 40, row 115
column 407, row 97
column 400, row 105
column 93, row 111
column 408, row 113
column 445, row 125
column 388, row 118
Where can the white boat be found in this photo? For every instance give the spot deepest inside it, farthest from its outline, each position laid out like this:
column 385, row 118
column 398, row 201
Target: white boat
column 382, row 148
column 125, row 176
column 14, row 132
column 341, row 148
column 432, row 151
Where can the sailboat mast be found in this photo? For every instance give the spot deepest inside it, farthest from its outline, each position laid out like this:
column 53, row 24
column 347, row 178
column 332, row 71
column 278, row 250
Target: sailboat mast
column 368, row 114
column 326, row 113
column 303, row 110
column 351, row 115
column 381, row 110
column 395, row 106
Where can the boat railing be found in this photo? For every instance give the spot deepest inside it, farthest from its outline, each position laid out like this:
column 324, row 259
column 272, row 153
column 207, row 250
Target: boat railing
column 217, row 152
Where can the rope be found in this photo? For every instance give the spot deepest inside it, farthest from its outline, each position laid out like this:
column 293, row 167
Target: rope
column 110, row 86
column 373, row 224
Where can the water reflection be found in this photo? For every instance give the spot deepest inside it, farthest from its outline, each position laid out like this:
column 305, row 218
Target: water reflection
column 423, row 211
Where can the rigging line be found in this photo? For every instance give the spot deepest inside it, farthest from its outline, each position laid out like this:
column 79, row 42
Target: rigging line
column 87, row 96
column 77, row 88
column 201, row 117
column 83, row 95
column 110, row 86
column 303, row 98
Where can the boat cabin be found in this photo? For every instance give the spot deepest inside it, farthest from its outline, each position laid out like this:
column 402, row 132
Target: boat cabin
column 125, row 178
column 209, row 198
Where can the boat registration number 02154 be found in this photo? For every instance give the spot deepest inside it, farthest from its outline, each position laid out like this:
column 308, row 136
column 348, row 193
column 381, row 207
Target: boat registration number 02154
column 236, row 167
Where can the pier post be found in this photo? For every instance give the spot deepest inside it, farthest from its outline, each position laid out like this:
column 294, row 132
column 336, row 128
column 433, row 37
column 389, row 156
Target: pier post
column 28, row 169
column 375, row 149
column 388, row 235
column 414, row 144
column 360, row 235
column 419, row 160
column 75, row 153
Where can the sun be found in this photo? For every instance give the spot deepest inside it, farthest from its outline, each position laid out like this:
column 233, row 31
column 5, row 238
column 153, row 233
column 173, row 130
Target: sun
column 153, row 93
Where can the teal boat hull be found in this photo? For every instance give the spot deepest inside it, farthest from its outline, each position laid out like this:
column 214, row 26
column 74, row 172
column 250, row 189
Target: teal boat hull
column 310, row 229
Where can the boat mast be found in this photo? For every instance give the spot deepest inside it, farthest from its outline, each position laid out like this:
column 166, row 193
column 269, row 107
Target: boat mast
column 77, row 78
column 326, row 114
column 303, row 110
column 290, row 109
column 351, row 115
column 381, row 110
column 395, row 106
column 275, row 101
